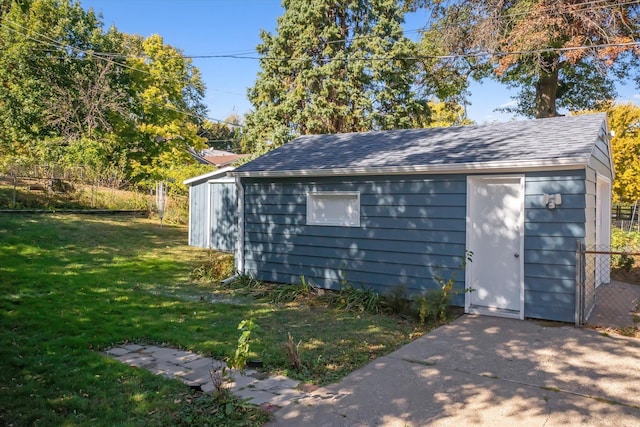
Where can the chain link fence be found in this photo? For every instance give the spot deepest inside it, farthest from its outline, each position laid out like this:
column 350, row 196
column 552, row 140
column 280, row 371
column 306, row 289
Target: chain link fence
column 608, row 291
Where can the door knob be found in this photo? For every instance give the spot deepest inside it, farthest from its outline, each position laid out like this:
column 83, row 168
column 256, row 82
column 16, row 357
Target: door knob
column 517, row 255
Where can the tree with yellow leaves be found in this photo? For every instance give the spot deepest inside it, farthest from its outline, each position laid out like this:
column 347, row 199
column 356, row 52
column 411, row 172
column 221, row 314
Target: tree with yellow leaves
column 624, row 121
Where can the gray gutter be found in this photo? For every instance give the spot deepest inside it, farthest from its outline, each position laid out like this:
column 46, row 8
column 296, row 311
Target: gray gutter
column 479, row 167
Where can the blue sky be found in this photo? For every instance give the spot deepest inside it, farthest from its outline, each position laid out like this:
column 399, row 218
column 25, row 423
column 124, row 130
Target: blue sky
column 213, row 27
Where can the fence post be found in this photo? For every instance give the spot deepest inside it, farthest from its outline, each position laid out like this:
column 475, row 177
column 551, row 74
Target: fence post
column 15, row 184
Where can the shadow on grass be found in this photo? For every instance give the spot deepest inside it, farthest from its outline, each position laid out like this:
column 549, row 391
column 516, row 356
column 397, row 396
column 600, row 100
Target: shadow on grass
column 70, row 285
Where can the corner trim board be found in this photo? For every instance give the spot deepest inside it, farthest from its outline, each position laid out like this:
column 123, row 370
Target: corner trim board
column 240, row 244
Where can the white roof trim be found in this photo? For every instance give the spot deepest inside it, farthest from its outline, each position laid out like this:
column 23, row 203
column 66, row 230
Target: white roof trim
column 216, row 173
column 222, row 180
column 604, row 136
column 509, row 166
column 608, row 137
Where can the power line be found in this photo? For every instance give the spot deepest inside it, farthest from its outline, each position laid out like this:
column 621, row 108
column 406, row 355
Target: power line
column 98, row 55
column 593, row 5
column 109, row 55
column 421, row 57
column 558, row 9
column 245, row 54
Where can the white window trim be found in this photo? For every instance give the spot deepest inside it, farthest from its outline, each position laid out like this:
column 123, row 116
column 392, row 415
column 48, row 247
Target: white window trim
column 343, row 222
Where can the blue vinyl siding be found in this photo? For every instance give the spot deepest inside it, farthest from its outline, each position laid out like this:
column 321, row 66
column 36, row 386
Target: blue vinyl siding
column 224, row 216
column 550, row 243
column 214, row 226
column 411, row 229
column 198, row 215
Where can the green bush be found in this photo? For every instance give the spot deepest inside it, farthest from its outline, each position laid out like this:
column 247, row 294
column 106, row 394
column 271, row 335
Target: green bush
column 432, row 306
column 428, row 307
column 623, row 241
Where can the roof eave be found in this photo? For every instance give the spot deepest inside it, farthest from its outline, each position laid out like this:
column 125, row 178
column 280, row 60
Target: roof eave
column 476, row 167
column 209, row 175
column 222, row 180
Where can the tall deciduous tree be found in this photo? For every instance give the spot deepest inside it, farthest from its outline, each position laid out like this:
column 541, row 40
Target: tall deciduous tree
column 559, row 53
column 624, row 121
column 168, row 107
column 334, row 66
column 67, row 84
column 445, row 114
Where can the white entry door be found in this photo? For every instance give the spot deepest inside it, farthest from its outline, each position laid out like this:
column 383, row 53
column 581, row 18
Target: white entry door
column 495, row 235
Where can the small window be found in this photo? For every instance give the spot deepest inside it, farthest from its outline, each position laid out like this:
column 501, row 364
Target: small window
column 333, row 208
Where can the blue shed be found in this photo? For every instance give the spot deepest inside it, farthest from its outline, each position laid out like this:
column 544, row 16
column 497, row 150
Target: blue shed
column 402, row 206
column 213, row 211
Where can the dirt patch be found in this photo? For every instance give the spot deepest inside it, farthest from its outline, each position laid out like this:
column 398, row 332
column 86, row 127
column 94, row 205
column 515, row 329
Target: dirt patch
column 631, row 276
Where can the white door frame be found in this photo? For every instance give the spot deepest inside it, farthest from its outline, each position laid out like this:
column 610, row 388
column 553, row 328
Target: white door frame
column 471, row 181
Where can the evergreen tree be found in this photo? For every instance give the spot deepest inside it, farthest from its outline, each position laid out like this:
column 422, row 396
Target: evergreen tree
column 334, row 66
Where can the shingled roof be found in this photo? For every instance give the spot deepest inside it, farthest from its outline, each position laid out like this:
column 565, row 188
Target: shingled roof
column 561, row 142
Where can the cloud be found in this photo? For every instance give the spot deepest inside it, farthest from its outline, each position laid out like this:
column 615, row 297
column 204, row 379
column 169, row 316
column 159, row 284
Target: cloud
column 509, row 104
column 634, row 99
column 498, row 117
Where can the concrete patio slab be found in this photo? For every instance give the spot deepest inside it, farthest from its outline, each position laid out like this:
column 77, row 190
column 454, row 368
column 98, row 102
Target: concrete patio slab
column 486, row 371
column 195, row 371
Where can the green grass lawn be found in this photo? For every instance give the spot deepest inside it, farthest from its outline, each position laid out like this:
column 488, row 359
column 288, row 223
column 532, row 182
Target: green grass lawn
column 72, row 286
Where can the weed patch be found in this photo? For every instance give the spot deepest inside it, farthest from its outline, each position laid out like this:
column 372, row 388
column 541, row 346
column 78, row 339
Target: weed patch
column 292, row 352
column 358, row 300
column 433, row 305
column 239, row 359
column 292, row 292
column 217, row 266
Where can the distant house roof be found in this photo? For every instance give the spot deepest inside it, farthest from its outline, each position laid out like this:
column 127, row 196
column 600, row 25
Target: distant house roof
column 560, row 142
column 219, row 158
column 224, row 160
